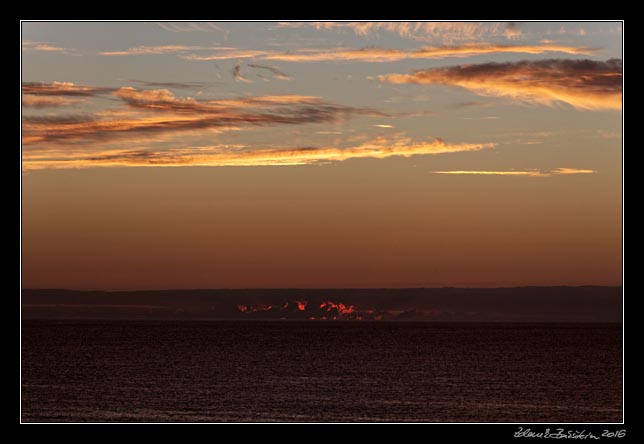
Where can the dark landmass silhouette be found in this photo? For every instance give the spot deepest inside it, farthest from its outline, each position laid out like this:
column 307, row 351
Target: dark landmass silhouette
column 515, row 304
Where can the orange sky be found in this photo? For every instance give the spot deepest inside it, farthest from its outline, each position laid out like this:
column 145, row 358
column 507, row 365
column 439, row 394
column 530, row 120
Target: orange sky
column 159, row 159
column 337, row 226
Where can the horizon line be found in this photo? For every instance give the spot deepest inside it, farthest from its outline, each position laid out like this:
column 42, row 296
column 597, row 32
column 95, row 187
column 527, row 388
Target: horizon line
column 323, row 288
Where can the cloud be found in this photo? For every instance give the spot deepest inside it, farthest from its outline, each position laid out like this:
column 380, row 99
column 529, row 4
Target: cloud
column 62, row 89
column 227, row 54
column 192, row 27
column 44, row 47
column 472, row 104
column 57, row 94
column 159, row 112
column 176, row 85
column 430, row 52
column 28, row 45
column 372, row 54
column 529, row 173
column 420, row 31
column 583, row 84
column 277, row 73
column 571, row 171
column 471, row 49
column 379, row 148
column 147, row 50
column 165, row 100
column 48, row 101
column 414, row 114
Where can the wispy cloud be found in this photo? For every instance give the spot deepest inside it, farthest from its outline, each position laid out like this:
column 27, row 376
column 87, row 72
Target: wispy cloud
column 192, row 27
column 471, row 49
column 160, row 112
column 380, row 148
column 63, row 89
column 529, row 173
column 421, row 31
column 28, row 45
column 583, row 84
column 175, row 85
column 277, row 73
column 571, row 171
column 375, row 55
column 57, row 94
column 228, row 54
column 430, row 52
column 163, row 99
column 472, row 104
column 152, row 50
column 48, row 101
column 414, row 114
column 44, row 47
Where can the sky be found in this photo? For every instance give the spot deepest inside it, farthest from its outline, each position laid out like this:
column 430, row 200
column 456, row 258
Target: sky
column 162, row 155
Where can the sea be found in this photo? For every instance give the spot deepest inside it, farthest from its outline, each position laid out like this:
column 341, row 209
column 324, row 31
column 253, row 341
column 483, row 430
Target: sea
column 295, row 371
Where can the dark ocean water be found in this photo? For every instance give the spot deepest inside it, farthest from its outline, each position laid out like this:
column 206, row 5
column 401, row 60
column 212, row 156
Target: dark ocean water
column 133, row 371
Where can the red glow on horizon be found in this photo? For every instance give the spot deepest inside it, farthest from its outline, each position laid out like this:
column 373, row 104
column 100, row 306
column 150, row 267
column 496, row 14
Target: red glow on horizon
column 301, row 309
column 340, row 307
column 244, row 308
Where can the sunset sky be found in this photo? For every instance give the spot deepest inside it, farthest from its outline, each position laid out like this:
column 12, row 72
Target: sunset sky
column 321, row 154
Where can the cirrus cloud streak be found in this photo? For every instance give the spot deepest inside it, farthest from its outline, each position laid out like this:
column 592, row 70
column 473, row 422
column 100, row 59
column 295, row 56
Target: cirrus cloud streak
column 583, row 84
column 375, row 55
column 421, row 31
column 379, row 148
column 153, row 50
column 529, row 173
